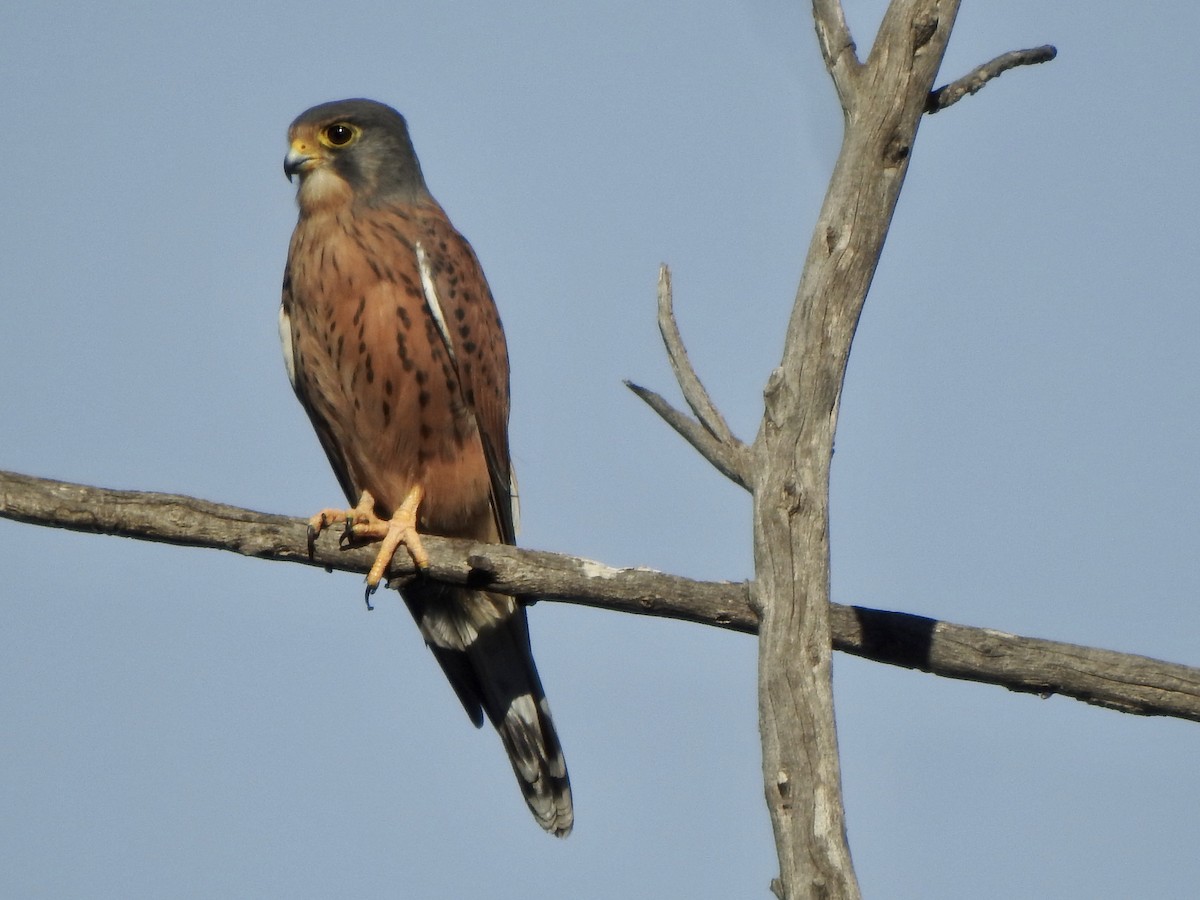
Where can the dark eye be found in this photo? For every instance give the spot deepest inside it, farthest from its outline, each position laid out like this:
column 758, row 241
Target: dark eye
column 339, row 134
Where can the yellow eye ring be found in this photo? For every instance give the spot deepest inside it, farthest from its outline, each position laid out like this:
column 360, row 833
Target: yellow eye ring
column 340, row 134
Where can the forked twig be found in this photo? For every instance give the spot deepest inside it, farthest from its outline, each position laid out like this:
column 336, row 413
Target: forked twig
column 709, row 433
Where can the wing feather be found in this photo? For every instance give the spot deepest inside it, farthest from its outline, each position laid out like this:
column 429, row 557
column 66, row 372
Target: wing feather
column 461, row 304
column 294, row 363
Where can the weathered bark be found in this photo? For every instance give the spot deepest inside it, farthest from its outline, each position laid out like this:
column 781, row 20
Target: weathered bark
column 1121, row 681
column 971, row 83
column 787, row 468
column 883, row 100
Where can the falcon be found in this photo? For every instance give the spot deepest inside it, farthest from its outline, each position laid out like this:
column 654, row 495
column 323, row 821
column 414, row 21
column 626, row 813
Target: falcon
column 394, row 347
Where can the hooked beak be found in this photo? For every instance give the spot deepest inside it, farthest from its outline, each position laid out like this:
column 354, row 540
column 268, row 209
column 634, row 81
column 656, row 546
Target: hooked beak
column 298, row 160
column 293, row 163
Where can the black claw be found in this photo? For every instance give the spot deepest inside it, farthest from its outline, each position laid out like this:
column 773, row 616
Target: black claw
column 367, row 596
column 312, row 541
column 347, row 537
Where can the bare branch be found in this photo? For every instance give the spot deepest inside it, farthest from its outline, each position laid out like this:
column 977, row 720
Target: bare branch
column 709, row 433
column 1132, row 684
column 1120, row 681
column 837, row 48
column 732, row 461
column 694, row 392
column 530, row 574
column 973, row 82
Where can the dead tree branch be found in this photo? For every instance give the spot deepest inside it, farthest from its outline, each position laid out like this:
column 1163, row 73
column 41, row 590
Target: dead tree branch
column 1120, row 681
column 725, row 459
column 973, row 81
column 708, row 432
column 694, row 391
column 837, row 48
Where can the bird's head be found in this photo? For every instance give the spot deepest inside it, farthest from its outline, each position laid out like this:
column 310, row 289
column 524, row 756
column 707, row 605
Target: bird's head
column 352, row 151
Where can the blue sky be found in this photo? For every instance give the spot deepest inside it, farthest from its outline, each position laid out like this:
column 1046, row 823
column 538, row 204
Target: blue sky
column 1017, row 448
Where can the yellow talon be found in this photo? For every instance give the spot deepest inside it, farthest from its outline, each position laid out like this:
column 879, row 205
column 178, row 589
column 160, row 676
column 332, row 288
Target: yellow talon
column 361, row 522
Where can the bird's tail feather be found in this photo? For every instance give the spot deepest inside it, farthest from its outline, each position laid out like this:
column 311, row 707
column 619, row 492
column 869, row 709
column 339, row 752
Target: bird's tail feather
column 481, row 641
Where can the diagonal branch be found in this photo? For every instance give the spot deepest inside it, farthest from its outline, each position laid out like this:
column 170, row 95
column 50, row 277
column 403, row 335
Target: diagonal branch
column 694, row 392
column 837, row 48
column 709, row 433
column 973, row 81
column 1125, row 682
column 730, row 461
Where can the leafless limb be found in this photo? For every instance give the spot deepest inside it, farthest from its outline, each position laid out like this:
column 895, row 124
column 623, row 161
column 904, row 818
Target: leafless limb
column 708, row 432
column 730, row 461
column 1121, row 681
column 973, row 82
column 694, row 392
column 837, row 48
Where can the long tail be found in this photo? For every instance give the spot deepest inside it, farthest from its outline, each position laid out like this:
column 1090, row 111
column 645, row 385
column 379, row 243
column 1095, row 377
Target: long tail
column 481, row 641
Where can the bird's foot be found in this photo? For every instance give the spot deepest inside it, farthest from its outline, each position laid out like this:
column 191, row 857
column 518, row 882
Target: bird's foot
column 363, row 525
column 401, row 528
column 358, row 522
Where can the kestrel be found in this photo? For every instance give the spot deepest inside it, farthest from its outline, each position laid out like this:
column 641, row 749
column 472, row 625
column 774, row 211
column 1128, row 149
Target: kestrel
column 395, row 349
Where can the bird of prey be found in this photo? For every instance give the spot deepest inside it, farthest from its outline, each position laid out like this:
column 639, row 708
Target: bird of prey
column 395, row 349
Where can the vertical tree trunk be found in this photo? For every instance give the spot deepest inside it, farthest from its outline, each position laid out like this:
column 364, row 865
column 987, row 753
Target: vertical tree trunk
column 883, row 100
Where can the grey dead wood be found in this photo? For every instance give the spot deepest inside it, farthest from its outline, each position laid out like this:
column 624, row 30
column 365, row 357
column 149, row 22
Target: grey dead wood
column 787, row 468
column 973, row 81
column 1121, row 681
column 708, row 432
column 883, row 101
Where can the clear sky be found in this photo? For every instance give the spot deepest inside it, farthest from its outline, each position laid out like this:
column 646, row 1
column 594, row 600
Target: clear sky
column 1018, row 448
